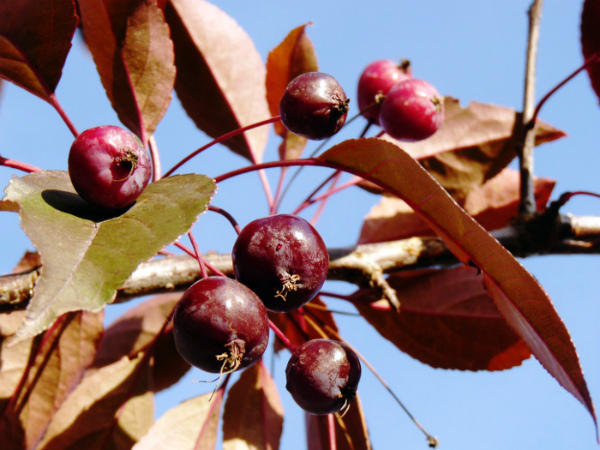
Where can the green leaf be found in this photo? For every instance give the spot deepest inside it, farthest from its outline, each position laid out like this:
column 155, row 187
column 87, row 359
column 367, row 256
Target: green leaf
column 88, row 254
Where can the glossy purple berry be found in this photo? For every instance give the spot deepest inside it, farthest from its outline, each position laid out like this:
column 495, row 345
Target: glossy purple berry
column 109, row 166
column 376, row 81
column 412, row 110
column 322, row 376
column 220, row 325
column 314, row 105
column 283, row 259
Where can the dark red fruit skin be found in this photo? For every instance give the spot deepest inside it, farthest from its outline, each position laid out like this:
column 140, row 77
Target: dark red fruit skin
column 270, row 250
column 412, row 110
column 215, row 312
column 376, row 81
column 322, row 376
column 314, row 105
column 109, row 167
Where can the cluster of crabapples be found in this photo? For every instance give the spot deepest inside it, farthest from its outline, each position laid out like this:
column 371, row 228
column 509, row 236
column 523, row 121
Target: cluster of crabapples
column 280, row 262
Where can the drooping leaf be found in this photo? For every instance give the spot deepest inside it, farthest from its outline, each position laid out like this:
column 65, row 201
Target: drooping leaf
column 447, row 321
column 253, row 416
column 493, row 205
column 220, row 74
column 95, row 415
column 54, row 369
column 590, row 40
column 297, row 329
column 351, row 431
column 295, row 55
column 517, row 295
column 88, row 254
column 191, row 425
column 473, row 145
column 134, row 56
column 35, row 38
column 138, row 328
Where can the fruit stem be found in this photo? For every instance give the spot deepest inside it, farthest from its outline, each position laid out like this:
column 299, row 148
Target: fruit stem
column 228, row 216
column 222, row 139
column 197, row 254
column 594, row 58
column 291, row 347
column 56, row 105
column 18, row 165
column 276, row 199
column 156, row 166
column 212, row 268
column 352, row 182
column 432, row 440
column 331, row 431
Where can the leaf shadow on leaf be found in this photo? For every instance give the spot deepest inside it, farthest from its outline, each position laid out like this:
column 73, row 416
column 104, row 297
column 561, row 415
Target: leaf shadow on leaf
column 73, row 204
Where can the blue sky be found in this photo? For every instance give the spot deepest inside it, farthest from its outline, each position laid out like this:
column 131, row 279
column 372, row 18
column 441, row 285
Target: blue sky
column 468, row 49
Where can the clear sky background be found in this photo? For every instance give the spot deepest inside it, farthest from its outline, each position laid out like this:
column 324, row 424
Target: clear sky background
column 468, row 49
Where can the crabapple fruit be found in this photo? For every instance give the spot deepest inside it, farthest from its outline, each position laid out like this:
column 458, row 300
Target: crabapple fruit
column 322, row 376
column 220, row 325
column 412, row 110
column 314, row 105
column 376, row 81
column 109, row 166
column 283, row 259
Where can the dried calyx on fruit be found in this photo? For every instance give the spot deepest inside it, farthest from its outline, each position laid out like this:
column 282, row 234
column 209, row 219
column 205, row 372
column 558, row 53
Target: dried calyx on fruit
column 220, row 325
column 322, row 376
column 412, row 110
column 376, row 81
column 314, row 105
column 283, row 259
column 109, row 166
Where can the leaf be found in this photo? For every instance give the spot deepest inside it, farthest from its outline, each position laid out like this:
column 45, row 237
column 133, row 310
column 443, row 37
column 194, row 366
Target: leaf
column 35, row 38
column 295, row 55
column 473, row 145
column 138, row 328
column 191, row 425
column 54, row 369
column 29, row 261
column 96, row 415
column 6, row 205
column 134, row 56
column 590, row 40
column 493, row 205
column 88, row 255
column 516, row 293
column 447, row 321
column 350, row 431
column 220, row 75
column 253, row 416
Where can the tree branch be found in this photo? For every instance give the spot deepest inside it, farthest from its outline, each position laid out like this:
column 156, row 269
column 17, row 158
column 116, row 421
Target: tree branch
column 526, row 143
column 363, row 265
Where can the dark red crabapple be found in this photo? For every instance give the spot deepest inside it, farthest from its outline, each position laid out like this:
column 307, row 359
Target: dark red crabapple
column 283, row 259
column 322, row 376
column 314, row 105
column 220, row 325
column 376, row 81
column 412, row 110
column 109, row 166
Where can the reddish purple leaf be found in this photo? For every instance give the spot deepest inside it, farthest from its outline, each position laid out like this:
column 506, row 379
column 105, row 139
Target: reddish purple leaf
column 134, row 56
column 590, row 40
column 35, row 38
column 55, row 367
column 447, row 321
column 253, row 412
column 351, row 432
column 517, row 295
column 493, row 205
column 220, row 74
